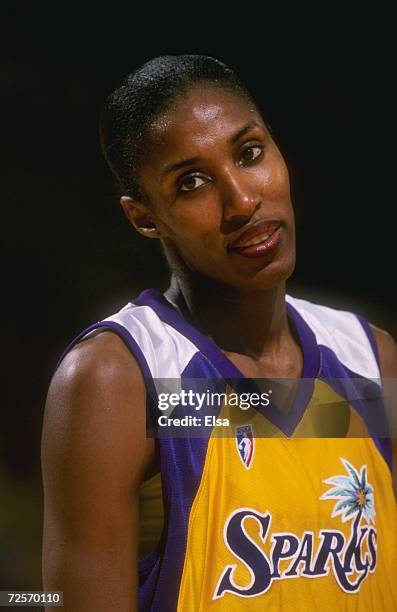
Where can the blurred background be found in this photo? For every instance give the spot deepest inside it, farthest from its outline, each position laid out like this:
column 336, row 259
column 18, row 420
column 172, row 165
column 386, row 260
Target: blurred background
column 70, row 258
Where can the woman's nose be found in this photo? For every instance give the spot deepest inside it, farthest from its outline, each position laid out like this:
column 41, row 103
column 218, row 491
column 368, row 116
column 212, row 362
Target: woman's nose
column 240, row 196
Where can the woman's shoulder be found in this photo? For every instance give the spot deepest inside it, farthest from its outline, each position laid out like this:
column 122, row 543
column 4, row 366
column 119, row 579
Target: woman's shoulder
column 102, row 358
column 97, row 379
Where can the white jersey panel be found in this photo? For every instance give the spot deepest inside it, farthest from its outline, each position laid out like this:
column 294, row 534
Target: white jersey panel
column 166, row 350
column 342, row 332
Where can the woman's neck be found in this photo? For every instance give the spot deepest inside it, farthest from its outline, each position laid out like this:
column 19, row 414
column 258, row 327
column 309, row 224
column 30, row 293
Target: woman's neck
column 247, row 323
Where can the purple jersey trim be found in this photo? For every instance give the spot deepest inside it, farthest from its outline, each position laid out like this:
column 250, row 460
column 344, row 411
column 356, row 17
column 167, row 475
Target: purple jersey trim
column 311, row 358
column 76, row 340
column 168, row 314
column 308, row 342
column 160, row 590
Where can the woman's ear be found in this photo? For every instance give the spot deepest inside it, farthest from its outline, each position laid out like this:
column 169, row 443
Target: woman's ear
column 140, row 217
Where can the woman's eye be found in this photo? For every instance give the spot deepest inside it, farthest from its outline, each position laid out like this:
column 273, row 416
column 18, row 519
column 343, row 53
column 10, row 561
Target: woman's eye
column 250, row 154
column 190, row 183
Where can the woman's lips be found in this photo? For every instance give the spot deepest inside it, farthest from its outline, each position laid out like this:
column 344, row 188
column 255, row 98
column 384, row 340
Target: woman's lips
column 258, row 240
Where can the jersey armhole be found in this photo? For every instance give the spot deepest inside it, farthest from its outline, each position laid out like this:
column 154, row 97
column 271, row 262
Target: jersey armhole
column 128, row 340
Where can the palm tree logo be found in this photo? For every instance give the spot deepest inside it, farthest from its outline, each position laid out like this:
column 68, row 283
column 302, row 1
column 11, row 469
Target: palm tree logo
column 354, row 494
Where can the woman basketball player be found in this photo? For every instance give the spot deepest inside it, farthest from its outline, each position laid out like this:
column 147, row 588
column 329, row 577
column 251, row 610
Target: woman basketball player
column 294, row 510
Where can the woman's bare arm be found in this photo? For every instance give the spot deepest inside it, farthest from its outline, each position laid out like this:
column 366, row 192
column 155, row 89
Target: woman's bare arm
column 94, row 454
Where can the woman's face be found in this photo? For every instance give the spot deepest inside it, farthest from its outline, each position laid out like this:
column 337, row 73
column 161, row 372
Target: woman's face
column 219, row 190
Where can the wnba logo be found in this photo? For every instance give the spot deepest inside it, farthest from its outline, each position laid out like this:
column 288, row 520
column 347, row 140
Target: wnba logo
column 245, row 444
column 348, row 559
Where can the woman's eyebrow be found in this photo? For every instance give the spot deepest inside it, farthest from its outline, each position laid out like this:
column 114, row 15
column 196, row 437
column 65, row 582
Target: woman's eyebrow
column 181, row 164
column 247, row 127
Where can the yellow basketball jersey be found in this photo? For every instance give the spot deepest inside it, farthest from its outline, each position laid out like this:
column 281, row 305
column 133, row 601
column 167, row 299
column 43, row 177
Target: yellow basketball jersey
column 270, row 507
column 308, row 523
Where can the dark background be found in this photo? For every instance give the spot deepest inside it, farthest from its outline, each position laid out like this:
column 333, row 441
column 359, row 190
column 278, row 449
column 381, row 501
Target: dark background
column 70, row 257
